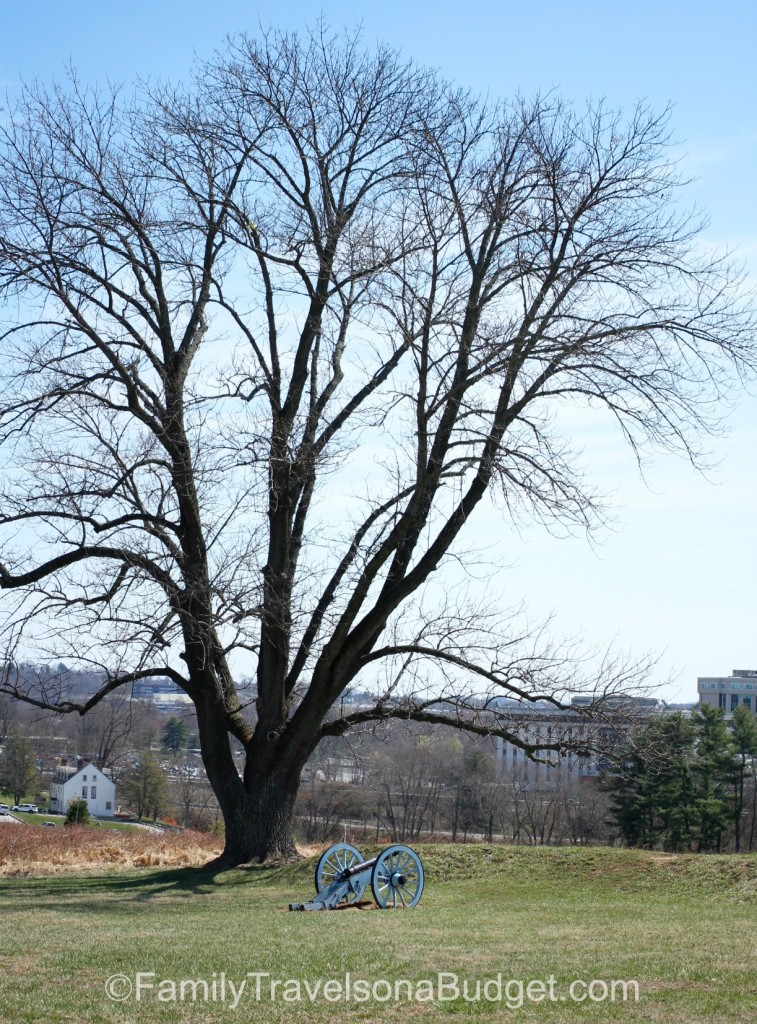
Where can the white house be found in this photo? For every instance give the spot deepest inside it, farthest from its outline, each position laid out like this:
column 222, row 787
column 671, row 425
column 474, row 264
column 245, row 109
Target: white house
column 86, row 782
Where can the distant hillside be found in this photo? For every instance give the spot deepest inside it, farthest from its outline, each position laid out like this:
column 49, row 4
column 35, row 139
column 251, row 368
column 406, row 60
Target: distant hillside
column 76, row 684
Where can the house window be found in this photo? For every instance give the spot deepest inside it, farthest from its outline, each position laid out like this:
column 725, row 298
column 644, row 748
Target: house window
column 108, row 806
column 93, row 793
column 734, row 700
column 747, row 702
column 84, row 792
column 721, row 700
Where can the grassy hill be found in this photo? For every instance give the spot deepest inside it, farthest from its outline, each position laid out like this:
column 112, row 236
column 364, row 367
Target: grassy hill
column 683, row 927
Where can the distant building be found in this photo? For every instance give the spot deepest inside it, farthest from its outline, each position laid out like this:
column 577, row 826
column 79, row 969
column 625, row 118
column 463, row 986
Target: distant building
column 544, row 723
column 164, row 693
column 728, row 692
column 86, row 782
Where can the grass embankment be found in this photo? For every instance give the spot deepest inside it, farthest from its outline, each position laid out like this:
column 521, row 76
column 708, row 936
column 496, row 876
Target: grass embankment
column 683, row 927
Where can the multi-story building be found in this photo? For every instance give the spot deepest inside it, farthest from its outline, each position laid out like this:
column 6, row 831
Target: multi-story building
column 728, row 692
column 544, row 723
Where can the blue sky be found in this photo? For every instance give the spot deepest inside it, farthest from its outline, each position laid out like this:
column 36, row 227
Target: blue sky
column 678, row 574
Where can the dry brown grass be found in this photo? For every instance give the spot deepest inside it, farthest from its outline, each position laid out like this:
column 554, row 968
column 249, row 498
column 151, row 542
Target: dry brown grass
column 30, row 850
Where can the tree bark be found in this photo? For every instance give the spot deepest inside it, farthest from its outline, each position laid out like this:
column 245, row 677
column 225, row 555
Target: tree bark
column 257, row 810
column 259, row 827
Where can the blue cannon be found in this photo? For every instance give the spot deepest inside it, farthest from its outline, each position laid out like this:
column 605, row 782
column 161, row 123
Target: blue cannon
column 342, row 876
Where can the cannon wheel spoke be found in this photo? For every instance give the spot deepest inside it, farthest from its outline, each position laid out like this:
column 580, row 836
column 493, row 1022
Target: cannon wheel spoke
column 397, row 877
column 332, row 863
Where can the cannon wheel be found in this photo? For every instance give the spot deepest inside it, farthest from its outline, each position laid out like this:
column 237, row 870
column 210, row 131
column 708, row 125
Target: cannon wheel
column 397, row 877
column 333, row 862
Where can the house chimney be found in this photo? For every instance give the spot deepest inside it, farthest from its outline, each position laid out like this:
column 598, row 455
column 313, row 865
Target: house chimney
column 64, row 762
column 79, row 763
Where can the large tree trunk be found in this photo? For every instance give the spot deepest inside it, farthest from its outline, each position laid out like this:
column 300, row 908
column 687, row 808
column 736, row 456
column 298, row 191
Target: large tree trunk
column 257, row 811
column 259, row 827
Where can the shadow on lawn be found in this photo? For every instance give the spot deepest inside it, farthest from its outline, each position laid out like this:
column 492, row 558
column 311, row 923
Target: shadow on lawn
column 95, row 893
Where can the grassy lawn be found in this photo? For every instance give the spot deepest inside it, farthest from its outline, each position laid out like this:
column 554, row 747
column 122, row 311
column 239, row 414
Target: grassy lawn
column 38, row 819
column 683, row 927
column 58, row 819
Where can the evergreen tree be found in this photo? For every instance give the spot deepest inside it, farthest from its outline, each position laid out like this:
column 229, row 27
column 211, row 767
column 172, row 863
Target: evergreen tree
column 77, row 812
column 673, row 783
column 175, row 735
column 630, row 799
column 713, row 772
column 672, row 794
column 744, row 739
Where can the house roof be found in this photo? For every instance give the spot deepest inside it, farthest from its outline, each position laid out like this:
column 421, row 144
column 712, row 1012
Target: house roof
column 63, row 775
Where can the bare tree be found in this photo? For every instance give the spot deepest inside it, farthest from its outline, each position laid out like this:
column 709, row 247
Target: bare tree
column 541, row 811
column 409, row 783
column 322, row 806
column 269, row 342
column 7, row 716
column 191, row 796
column 585, row 811
column 751, row 820
column 112, row 727
column 144, row 786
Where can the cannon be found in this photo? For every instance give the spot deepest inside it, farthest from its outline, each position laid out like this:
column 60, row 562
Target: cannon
column 342, row 876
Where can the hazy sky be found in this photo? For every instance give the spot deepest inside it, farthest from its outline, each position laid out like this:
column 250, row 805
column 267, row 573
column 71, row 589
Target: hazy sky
column 678, row 572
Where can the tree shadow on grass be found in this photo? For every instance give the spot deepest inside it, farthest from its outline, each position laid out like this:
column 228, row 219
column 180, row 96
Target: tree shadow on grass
column 97, row 893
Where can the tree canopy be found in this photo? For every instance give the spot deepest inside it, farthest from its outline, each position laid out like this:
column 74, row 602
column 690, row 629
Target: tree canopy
column 271, row 338
column 18, row 769
column 679, row 781
column 175, row 735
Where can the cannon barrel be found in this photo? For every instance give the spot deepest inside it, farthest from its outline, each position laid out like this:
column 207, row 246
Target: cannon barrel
column 341, row 876
column 357, row 868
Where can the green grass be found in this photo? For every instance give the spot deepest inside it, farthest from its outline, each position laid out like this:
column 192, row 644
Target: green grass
column 58, row 819
column 683, row 927
column 37, row 819
column 27, row 798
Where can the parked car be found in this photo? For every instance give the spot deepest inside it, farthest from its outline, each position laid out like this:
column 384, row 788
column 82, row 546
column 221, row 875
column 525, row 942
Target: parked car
column 4, row 809
column 26, row 808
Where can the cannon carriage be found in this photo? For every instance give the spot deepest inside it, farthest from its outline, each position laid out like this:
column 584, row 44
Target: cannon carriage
column 342, row 875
